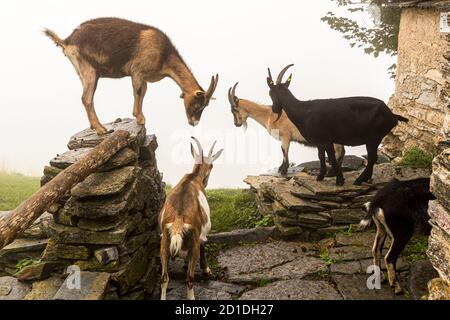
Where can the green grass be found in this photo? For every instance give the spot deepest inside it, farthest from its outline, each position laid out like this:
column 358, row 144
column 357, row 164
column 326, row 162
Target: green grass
column 14, row 188
column 25, row 263
column 234, row 209
column 230, row 208
column 416, row 249
column 417, row 157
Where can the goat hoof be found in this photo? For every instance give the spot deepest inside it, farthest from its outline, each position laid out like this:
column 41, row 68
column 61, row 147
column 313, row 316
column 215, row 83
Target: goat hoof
column 340, row 182
column 207, row 272
column 357, row 182
column 398, row 290
column 320, row 177
column 102, row 130
column 140, row 120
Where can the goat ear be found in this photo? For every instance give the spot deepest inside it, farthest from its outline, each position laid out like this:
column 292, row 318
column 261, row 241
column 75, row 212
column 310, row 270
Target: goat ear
column 288, row 81
column 270, row 82
column 217, row 155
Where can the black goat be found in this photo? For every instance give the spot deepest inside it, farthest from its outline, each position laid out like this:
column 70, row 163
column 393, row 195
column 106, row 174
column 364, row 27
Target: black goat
column 398, row 210
column 350, row 121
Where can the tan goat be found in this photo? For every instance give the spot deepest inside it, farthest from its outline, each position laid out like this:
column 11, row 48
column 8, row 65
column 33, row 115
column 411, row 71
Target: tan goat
column 282, row 129
column 117, row 48
column 185, row 220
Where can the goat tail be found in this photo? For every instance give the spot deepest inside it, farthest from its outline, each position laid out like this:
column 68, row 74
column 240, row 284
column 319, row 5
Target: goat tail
column 177, row 229
column 367, row 220
column 400, row 118
column 55, row 38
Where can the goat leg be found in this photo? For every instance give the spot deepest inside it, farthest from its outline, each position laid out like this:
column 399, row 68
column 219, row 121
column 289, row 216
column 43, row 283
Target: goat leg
column 204, row 261
column 331, row 156
column 323, row 165
column 285, row 150
column 164, row 255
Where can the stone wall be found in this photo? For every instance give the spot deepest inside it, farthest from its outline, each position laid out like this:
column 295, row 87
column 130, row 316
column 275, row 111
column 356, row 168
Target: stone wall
column 310, row 209
column 106, row 227
column 422, row 91
column 439, row 241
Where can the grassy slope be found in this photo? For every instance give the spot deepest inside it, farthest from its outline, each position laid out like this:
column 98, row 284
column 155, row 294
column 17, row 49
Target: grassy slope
column 230, row 208
column 14, row 188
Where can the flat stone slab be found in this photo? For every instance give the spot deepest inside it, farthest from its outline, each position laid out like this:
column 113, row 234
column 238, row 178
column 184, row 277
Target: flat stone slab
column 350, row 267
column 204, row 290
column 256, row 181
column 120, row 159
column 92, row 287
column 13, row 289
column 88, row 138
column 328, row 185
column 72, row 235
column 354, row 267
column 240, row 235
column 349, row 163
column 294, row 289
column 105, row 183
column 354, row 287
column 265, row 261
column 347, row 216
column 23, row 245
column 350, row 253
column 362, row 239
column 45, row 289
column 281, row 191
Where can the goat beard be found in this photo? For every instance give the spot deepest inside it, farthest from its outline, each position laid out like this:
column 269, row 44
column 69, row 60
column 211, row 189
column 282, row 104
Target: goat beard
column 244, row 125
column 279, row 115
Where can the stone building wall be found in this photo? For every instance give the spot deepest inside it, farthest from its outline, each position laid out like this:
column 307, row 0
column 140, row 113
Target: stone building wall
column 422, row 88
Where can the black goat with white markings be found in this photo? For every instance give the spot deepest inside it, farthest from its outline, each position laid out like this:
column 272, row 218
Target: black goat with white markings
column 400, row 211
column 349, row 121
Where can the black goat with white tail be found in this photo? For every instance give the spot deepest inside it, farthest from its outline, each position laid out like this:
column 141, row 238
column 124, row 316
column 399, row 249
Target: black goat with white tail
column 400, row 211
column 350, row 121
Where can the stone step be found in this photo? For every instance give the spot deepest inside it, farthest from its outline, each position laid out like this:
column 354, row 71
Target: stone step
column 89, row 286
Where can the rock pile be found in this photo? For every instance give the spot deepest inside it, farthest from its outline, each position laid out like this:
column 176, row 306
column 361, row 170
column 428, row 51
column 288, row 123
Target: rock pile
column 300, row 205
column 439, row 241
column 106, row 226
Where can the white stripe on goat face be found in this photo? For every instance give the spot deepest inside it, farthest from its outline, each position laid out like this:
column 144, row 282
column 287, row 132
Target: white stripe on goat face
column 205, row 207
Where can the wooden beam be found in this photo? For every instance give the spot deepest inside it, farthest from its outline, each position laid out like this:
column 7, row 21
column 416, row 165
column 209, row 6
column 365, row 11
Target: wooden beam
column 29, row 210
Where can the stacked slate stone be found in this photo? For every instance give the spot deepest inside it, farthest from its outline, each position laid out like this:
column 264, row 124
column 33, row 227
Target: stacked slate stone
column 310, row 209
column 107, row 224
column 439, row 240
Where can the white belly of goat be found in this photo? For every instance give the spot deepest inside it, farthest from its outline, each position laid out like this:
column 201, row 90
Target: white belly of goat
column 206, row 228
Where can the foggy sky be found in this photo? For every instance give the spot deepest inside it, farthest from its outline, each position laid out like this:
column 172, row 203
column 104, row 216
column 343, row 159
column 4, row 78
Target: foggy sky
column 40, row 92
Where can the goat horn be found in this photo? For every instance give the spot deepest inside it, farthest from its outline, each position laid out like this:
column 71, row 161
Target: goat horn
column 212, row 86
column 270, row 74
column 199, row 146
column 282, row 72
column 212, row 149
column 232, row 96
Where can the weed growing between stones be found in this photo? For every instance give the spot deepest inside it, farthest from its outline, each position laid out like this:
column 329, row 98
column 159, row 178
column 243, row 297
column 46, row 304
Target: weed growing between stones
column 212, row 250
column 325, row 256
column 416, row 249
column 25, row 263
column 417, row 157
column 263, row 282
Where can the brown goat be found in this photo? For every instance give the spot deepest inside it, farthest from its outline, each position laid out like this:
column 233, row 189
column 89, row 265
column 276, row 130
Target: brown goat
column 117, row 48
column 283, row 129
column 185, row 220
